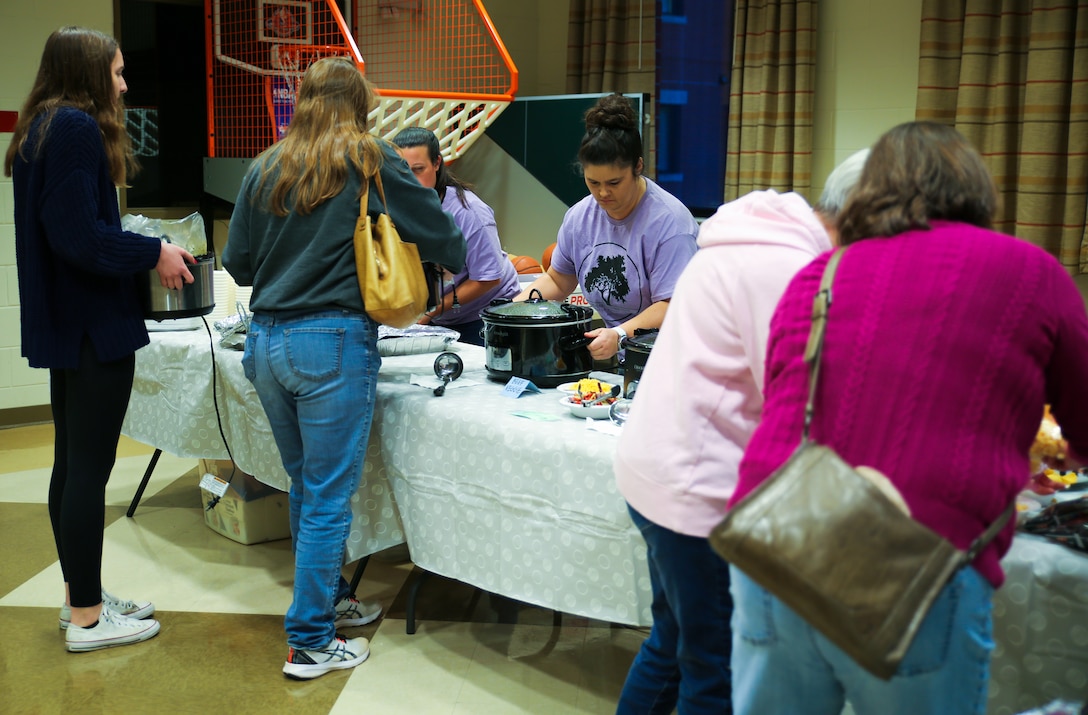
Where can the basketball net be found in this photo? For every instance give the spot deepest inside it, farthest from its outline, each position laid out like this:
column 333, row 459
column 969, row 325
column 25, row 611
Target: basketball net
column 457, row 122
column 287, row 63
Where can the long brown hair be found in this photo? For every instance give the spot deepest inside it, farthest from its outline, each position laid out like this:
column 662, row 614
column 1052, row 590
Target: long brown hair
column 75, row 71
column 327, row 136
column 916, row 173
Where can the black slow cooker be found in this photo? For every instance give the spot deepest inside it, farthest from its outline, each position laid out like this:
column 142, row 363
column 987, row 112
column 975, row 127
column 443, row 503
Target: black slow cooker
column 636, row 351
column 540, row 340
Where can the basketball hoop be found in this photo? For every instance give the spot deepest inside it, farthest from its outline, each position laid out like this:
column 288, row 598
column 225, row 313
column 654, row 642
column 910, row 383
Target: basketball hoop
column 441, row 66
column 290, row 63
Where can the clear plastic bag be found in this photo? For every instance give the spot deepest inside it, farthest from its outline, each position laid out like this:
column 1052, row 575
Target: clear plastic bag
column 186, row 232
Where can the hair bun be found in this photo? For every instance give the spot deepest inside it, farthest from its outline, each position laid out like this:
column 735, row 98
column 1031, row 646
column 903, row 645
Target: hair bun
column 612, row 112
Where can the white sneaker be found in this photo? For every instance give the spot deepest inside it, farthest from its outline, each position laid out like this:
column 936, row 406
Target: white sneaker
column 113, row 629
column 339, row 654
column 133, row 609
column 352, row 612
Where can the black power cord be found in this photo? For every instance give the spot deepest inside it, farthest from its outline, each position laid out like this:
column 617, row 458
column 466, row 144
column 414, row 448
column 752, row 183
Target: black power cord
column 218, row 415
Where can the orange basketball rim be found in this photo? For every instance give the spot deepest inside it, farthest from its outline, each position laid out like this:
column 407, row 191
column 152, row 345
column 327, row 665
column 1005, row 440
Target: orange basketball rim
column 438, row 64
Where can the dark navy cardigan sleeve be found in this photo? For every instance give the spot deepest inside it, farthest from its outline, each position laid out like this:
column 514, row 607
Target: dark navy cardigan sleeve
column 77, row 269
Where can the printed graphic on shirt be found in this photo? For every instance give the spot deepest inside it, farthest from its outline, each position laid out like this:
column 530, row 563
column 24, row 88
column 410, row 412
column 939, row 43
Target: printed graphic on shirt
column 612, row 280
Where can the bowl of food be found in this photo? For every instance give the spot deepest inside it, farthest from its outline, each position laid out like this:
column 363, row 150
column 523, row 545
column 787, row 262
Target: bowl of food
column 586, row 388
column 589, row 398
column 598, row 411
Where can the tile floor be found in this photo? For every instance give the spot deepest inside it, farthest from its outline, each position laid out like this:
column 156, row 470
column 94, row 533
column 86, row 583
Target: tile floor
column 221, row 606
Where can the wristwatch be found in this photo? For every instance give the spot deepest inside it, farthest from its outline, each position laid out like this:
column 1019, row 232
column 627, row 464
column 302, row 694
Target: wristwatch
column 620, row 332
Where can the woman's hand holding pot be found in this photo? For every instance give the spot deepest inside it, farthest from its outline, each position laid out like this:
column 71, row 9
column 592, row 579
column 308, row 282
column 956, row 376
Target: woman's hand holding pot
column 173, row 273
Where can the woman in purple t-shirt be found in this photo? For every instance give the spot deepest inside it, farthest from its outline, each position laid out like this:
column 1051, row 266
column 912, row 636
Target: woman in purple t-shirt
column 488, row 272
column 627, row 242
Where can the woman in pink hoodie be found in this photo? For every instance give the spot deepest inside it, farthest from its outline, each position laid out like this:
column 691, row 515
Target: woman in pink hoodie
column 698, row 402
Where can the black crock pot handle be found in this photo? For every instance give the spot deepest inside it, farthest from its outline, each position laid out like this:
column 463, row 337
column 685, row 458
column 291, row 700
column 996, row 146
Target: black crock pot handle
column 577, row 312
column 568, row 343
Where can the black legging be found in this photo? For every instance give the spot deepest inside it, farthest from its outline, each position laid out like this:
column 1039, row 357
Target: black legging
column 89, row 405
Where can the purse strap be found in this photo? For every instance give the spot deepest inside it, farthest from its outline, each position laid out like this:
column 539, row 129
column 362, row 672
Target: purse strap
column 364, row 198
column 821, row 304
column 814, row 348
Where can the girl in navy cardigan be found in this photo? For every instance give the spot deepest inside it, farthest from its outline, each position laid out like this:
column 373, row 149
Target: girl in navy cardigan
column 79, row 307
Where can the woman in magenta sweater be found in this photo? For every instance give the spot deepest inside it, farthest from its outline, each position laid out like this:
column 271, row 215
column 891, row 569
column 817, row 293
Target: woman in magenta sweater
column 944, row 342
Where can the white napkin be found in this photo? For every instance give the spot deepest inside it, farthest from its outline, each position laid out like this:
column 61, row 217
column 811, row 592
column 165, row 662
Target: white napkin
column 606, row 426
column 431, row 382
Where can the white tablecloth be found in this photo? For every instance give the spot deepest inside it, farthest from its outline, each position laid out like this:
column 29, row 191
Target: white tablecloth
column 517, row 506
column 522, row 507
column 1040, row 627
column 179, row 402
column 529, row 508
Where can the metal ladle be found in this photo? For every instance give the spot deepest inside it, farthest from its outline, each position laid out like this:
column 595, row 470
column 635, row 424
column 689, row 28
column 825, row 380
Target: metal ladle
column 448, row 367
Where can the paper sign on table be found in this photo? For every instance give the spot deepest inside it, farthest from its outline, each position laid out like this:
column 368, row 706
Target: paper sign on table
column 518, row 386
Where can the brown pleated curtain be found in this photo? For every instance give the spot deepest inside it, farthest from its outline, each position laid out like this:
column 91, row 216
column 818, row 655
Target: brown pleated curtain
column 771, row 97
column 610, row 46
column 1012, row 77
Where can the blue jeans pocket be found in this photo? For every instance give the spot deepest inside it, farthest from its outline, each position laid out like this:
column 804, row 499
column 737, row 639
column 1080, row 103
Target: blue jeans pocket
column 929, row 650
column 314, row 353
column 249, row 368
column 753, row 617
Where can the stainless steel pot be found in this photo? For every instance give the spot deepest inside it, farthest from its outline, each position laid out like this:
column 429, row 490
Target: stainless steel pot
column 536, row 339
column 196, row 298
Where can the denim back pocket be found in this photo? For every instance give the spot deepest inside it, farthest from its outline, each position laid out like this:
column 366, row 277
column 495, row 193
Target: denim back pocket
column 753, row 615
column 929, row 649
column 314, row 353
column 249, row 366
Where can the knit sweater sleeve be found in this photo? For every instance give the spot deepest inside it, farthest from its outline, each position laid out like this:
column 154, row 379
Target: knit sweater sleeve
column 73, row 159
column 1067, row 374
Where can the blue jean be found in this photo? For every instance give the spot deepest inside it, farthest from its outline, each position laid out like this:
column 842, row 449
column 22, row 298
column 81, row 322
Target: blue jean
column 684, row 663
column 781, row 665
column 316, row 376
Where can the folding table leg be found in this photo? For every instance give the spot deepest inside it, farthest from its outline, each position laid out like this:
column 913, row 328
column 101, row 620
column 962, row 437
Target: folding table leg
column 358, row 575
column 143, row 482
column 413, row 595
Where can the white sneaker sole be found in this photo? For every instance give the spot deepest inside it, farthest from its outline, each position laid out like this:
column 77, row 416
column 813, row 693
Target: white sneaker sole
column 82, row 646
column 308, row 671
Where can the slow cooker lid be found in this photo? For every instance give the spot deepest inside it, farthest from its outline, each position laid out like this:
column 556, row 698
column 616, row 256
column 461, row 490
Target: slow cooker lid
column 535, row 309
column 642, row 339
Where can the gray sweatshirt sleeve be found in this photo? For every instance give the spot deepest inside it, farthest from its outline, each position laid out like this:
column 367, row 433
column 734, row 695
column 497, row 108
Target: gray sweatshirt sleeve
column 417, row 213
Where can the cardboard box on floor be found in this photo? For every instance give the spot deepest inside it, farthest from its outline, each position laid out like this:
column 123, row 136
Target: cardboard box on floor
column 250, row 512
